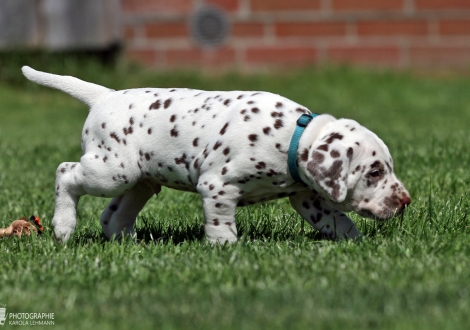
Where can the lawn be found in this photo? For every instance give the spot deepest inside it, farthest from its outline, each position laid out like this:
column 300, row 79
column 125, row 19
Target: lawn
column 408, row 273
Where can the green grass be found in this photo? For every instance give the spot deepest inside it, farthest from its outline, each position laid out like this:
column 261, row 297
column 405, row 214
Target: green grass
column 407, row 273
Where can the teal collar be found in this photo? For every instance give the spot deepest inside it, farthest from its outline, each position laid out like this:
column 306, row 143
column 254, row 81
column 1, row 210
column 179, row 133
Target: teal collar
column 302, row 122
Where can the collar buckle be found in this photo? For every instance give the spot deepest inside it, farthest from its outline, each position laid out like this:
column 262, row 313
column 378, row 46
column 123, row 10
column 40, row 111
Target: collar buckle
column 305, row 119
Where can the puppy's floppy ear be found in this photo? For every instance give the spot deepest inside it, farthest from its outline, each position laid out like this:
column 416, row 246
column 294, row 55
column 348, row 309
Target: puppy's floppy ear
column 329, row 164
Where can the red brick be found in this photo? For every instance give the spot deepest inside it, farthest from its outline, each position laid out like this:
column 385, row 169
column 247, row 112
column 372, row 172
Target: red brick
column 159, row 6
column 284, row 5
column 166, row 30
column 247, row 29
column 442, row 4
column 281, row 55
column 353, row 5
column 195, row 56
column 389, row 28
column 229, row 5
column 440, row 55
column 143, row 56
column 310, row 29
column 455, row 27
column 365, row 54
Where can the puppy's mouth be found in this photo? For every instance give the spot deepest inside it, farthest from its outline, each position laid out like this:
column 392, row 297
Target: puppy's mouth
column 381, row 214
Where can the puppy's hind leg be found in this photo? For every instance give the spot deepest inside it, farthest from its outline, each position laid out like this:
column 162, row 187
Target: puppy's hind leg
column 76, row 179
column 119, row 216
column 67, row 195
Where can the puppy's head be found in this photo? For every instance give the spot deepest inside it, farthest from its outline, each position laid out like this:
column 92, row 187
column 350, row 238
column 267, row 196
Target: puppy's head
column 353, row 171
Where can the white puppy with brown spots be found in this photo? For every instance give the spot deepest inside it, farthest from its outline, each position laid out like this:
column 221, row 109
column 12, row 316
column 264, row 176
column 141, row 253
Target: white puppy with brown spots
column 230, row 147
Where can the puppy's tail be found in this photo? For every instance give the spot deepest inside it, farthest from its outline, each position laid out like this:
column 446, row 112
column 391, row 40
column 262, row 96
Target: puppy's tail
column 86, row 92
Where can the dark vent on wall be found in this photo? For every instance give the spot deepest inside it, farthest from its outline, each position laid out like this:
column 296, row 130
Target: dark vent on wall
column 209, row 26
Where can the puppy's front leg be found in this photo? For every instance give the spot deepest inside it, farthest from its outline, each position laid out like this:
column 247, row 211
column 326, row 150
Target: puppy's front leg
column 219, row 212
column 332, row 223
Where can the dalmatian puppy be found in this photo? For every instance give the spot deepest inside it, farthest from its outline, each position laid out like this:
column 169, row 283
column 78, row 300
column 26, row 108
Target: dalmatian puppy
column 231, row 148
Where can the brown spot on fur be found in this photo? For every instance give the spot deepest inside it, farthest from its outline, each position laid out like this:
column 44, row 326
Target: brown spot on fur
column 330, row 177
column 318, row 157
column 278, row 124
column 334, row 171
column 224, row 129
column 313, row 219
column 304, row 155
column 335, row 153
column 376, row 164
column 217, row 145
column 167, row 103
column 114, row 136
column 260, row 165
column 253, row 137
column 323, row 147
column 350, row 153
column 334, row 136
column 302, row 110
column 155, row 106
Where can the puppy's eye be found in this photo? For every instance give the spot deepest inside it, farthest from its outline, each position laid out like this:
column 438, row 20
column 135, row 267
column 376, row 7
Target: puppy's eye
column 375, row 173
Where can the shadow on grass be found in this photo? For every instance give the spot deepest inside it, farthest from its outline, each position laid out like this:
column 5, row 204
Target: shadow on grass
column 160, row 232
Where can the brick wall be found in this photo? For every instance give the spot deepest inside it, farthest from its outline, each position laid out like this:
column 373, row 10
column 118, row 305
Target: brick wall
column 393, row 33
